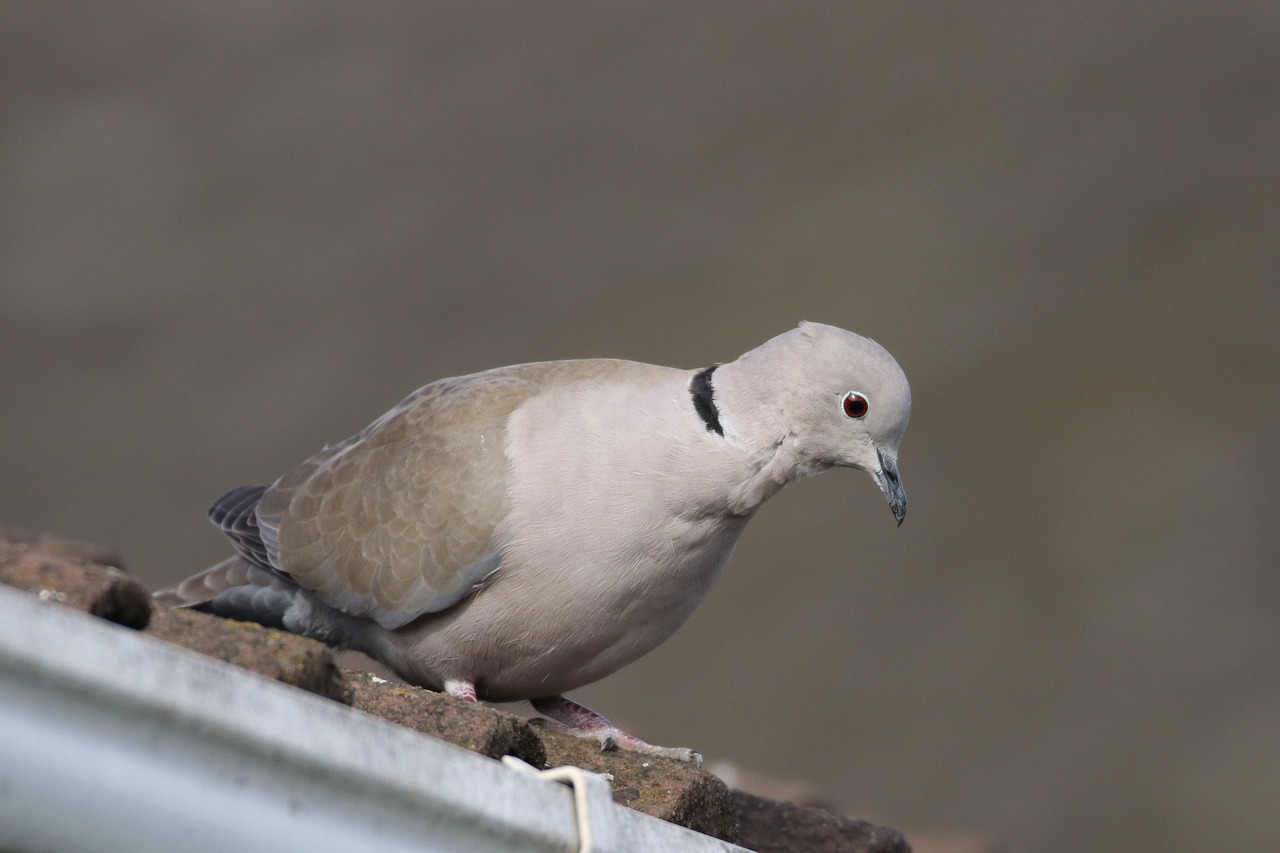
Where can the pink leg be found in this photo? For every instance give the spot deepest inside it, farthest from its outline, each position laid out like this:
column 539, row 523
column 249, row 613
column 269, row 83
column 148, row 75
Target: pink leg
column 464, row 690
column 581, row 721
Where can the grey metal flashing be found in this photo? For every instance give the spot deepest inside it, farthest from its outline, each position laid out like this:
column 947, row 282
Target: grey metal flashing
column 114, row 741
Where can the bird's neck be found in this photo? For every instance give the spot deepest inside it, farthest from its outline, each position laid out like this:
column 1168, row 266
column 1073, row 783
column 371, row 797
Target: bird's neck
column 749, row 404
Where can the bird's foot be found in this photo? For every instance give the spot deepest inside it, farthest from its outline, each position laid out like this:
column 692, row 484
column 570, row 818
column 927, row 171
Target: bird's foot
column 578, row 720
column 464, row 690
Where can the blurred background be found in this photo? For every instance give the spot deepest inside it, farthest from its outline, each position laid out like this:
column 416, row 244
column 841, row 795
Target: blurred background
column 232, row 232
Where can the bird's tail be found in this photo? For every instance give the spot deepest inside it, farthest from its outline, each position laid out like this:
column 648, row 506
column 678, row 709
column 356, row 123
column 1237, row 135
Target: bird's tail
column 234, row 589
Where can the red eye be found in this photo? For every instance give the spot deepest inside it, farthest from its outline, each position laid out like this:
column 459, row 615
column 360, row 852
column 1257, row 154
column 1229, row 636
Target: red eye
column 855, row 405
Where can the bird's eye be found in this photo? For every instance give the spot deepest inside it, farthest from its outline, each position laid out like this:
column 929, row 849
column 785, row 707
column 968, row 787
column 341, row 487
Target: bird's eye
column 855, row 405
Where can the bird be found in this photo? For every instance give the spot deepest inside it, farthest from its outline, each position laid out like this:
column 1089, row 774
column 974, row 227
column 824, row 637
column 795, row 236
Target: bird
column 517, row 533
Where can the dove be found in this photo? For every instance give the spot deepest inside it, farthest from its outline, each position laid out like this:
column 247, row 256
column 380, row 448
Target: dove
column 518, row 533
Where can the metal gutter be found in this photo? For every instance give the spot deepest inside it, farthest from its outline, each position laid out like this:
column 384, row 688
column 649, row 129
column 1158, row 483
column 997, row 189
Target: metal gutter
column 114, row 741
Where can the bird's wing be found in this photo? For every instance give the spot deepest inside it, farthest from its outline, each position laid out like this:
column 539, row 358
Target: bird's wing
column 404, row 518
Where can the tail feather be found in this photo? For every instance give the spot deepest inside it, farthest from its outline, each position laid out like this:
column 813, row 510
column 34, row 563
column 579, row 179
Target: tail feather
column 234, row 589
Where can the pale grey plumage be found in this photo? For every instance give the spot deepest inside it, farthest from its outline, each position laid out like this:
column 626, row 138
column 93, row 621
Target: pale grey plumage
column 531, row 529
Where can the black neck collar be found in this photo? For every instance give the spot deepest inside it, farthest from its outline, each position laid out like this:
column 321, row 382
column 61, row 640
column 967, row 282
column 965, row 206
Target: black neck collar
column 704, row 399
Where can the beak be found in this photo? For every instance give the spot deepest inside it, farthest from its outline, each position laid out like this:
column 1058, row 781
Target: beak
column 889, row 482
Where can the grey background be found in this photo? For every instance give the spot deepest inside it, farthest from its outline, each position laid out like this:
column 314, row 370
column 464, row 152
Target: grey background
column 232, row 232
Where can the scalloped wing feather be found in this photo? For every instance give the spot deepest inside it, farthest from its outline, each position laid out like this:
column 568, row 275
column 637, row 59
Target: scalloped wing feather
column 403, row 518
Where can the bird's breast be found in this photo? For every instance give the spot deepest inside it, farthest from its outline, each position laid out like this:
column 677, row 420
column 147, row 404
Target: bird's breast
column 614, row 529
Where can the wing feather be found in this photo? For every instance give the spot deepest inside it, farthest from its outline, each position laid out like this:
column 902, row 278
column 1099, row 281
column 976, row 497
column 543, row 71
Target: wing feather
column 400, row 520
column 406, row 517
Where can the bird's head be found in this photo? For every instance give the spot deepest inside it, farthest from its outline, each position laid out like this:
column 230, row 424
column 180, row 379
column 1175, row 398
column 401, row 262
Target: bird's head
column 845, row 402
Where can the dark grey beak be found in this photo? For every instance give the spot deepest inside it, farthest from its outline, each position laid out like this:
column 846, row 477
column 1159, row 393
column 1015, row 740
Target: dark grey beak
column 891, row 484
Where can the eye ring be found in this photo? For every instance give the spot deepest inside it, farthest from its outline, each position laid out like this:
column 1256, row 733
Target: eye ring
column 855, row 405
